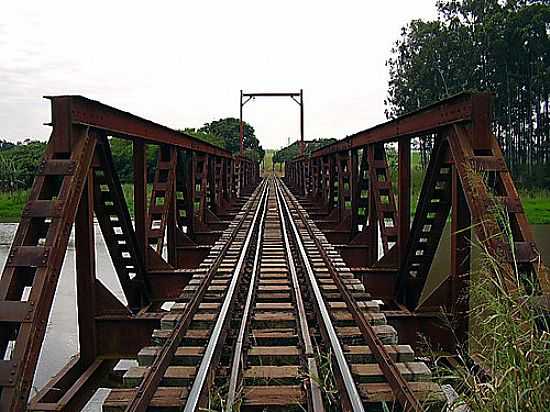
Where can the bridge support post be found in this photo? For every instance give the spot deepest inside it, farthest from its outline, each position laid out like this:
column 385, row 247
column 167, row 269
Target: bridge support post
column 140, row 196
column 372, row 216
column 404, row 199
column 466, row 176
column 86, row 274
column 461, row 249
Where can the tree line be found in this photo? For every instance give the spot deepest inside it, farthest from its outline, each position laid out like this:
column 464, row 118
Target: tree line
column 19, row 161
column 293, row 150
column 490, row 45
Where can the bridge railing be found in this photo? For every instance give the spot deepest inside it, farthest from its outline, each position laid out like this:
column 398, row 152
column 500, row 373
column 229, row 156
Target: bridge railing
column 359, row 201
column 197, row 188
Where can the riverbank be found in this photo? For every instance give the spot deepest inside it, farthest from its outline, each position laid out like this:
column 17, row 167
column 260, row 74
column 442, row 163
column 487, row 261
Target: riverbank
column 535, row 202
column 12, row 204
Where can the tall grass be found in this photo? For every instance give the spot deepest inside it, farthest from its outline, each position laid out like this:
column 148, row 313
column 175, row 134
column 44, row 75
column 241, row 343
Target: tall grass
column 326, row 380
column 509, row 336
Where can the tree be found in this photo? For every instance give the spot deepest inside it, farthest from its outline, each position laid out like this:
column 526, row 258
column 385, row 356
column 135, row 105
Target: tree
column 5, row 145
column 503, row 47
column 19, row 164
column 228, row 130
column 206, row 137
column 293, row 150
column 286, row 153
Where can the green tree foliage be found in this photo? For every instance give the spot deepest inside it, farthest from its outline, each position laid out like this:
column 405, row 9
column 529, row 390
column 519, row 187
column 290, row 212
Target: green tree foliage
column 206, row 137
column 122, row 150
column 293, row 150
column 286, row 153
column 228, row 130
column 315, row 144
column 5, row 145
column 18, row 163
column 122, row 158
column 491, row 45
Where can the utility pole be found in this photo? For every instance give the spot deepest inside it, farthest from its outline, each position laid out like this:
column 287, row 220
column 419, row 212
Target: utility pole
column 241, row 127
column 302, row 142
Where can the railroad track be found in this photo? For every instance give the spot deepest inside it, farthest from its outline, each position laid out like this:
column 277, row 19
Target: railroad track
column 274, row 320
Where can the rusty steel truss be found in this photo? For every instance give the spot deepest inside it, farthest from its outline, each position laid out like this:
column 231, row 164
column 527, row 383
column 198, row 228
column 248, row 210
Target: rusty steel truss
column 197, row 189
column 347, row 187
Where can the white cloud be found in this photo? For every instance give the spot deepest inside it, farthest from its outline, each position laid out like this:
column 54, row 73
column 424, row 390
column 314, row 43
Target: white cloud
column 182, row 63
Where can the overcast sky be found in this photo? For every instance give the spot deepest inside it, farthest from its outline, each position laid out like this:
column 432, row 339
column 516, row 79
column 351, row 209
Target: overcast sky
column 182, row 63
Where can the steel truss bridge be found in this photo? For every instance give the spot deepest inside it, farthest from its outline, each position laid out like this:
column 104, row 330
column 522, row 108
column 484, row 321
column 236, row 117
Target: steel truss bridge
column 280, row 298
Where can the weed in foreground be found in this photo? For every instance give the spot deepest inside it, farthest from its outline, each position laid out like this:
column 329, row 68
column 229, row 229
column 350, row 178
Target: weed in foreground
column 509, row 335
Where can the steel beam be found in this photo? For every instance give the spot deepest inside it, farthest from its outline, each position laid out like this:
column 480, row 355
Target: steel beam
column 291, row 94
column 456, row 109
column 122, row 124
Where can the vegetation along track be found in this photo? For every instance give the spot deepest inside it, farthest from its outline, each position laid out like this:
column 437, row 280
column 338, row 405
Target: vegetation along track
column 275, row 321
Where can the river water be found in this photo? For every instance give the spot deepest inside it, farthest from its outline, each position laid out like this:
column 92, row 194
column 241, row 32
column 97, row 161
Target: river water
column 61, row 341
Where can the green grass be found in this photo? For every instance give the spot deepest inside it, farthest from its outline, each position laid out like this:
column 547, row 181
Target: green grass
column 536, row 203
column 268, row 160
column 509, row 335
column 268, row 163
column 128, row 191
column 12, row 204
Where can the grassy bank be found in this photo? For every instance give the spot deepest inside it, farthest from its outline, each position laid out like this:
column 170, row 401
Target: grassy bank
column 535, row 202
column 12, row 204
column 537, row 205
column 268, row 160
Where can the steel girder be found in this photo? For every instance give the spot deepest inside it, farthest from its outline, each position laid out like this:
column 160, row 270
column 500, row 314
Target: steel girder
column 465, row 152
column 77, row 180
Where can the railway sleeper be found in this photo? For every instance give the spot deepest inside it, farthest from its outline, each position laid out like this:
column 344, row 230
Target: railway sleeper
column 182, row 371
column 370, row 380
column 165, row 399
column 276, row 398
column 274, row 371
column 273, row 355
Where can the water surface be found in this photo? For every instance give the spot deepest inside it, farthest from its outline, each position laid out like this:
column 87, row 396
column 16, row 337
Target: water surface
column 61, row 341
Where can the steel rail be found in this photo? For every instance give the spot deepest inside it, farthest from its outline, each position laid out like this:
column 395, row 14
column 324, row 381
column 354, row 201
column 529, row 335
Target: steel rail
column 238, row 350
column 315, row 396
column 349, row 383
column 144, row 393
column 398, row 383
column 214, row 341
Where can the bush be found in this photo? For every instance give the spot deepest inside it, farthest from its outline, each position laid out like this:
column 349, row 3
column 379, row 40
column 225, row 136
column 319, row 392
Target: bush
column 19, row 163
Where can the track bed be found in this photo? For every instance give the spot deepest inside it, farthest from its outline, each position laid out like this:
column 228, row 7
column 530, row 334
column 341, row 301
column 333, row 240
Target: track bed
column 274, row 329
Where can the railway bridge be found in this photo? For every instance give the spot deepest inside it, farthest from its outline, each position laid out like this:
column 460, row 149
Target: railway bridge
column 253, row 292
